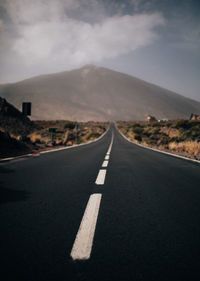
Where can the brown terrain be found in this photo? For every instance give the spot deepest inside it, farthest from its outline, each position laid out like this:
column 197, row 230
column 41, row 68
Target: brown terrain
column 19, row 135
column 180, row 137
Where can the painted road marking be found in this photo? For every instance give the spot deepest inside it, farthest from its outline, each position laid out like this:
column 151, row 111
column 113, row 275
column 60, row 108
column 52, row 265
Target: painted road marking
column 102, row 172
column 84, row 239
column 101, row 177
column 82, row 246
column 110, row 147
column 105, row 164
column 107, row 157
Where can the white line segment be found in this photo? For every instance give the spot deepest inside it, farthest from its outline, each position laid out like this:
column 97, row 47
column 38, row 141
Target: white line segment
column 105, row 163
column 101, row 177
column 110, row 147
column 82, row 246
column 84, row 239
column 102, row 173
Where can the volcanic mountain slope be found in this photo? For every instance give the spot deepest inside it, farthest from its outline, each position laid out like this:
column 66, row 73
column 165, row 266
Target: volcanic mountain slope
column 12, row 121
column 97, row 93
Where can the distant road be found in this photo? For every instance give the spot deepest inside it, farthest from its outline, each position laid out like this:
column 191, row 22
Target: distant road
column 139, row 212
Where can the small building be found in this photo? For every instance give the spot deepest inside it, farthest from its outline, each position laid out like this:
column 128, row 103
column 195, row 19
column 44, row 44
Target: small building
column 194, row 116
column 151, row 119
column 163, row 120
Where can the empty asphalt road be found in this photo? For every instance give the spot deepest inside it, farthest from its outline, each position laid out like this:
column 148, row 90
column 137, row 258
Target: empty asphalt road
column 139, row 215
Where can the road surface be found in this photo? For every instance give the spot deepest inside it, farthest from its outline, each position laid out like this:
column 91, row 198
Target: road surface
column 139, row 215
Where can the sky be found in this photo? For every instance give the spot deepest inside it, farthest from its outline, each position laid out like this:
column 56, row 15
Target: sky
column 155, row 40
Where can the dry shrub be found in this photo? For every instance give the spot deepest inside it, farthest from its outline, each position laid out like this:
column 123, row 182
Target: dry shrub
column 130, row 135
column 59, row 142
column 37, row 138
column 174, row 133
column 171, row 132
column 191, row 147
column 87, row 136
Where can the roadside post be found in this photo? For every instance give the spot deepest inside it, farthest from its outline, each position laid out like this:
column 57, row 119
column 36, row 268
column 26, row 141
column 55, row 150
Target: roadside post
column 76, row 128
column 53, row 133
column 26, row 108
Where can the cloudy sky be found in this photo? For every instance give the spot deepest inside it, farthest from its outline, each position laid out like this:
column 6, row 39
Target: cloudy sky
column 155, row 40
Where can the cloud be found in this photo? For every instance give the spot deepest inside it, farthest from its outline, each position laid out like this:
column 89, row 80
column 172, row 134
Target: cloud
column 27, row 12
column 30, row 12
column 80, row 42
column 69, row 33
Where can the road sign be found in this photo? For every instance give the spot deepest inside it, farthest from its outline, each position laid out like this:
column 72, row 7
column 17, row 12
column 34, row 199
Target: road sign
column 76, row 128
column 52, row 130
column 26, row 108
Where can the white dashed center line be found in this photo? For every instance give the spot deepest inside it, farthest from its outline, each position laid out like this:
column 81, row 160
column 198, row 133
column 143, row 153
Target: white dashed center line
column 82, row 246
column 105, row 164
column 110, row 147
column 102, row 172
column 101, row 177
column 84, row 239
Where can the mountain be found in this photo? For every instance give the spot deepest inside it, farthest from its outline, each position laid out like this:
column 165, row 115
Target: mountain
column 97, row 93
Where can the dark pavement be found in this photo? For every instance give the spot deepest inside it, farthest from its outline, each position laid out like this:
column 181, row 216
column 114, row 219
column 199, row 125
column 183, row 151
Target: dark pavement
column 148, row 226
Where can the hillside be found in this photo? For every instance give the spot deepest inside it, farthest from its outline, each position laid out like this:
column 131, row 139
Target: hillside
column 97, row 93
column 19, row 135
column 14, row 128
column 12, row 121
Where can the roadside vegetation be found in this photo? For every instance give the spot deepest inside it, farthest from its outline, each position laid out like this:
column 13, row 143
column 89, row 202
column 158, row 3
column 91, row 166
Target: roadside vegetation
column 66, row 132
column 42, row 135
column 179, row 136
column 19, row 135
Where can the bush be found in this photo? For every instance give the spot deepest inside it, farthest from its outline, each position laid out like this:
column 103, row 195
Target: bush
column 136, row 125
column 138, row 130
column 70, row 125
column 163, row 140
column 156, row 124
column 138, row 137
column 183, row 124
column 181, row 135
column 192, row 147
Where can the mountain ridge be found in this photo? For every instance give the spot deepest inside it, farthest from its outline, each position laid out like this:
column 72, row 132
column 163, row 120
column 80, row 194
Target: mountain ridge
column 97, row 93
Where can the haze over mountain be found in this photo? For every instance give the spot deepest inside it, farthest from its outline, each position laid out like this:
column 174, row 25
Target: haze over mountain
column 97, row 93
